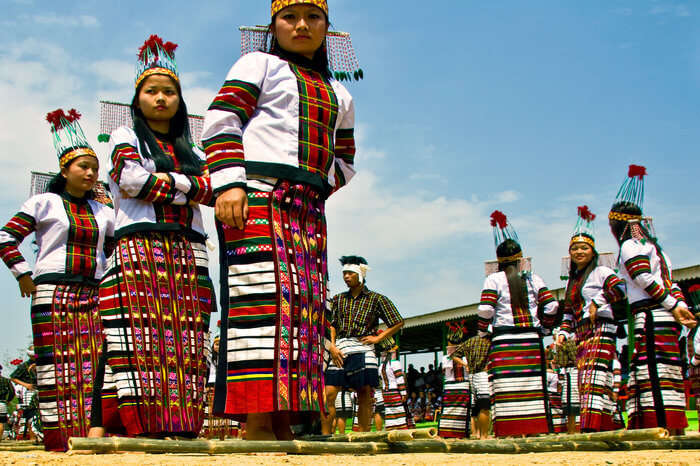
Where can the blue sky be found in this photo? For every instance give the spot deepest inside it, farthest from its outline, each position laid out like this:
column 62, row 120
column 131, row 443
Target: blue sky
column 531, row 107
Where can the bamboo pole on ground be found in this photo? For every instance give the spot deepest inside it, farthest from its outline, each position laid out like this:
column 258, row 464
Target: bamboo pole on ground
column 122, row 444
column 26, row 447
column 405, row 435
column 655, row 433
column 494, row 446
column 675, row 443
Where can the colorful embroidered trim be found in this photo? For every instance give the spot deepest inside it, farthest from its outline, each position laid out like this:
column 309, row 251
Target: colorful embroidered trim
column 278, row 5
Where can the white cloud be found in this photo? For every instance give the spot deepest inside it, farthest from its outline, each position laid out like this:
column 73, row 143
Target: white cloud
column 666, row 9
column 68, row 21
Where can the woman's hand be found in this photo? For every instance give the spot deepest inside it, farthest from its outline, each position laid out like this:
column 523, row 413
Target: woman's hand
column 162, row 176
column 26, row 286
column 593, row 311
column 232, row 207
column 683, row 316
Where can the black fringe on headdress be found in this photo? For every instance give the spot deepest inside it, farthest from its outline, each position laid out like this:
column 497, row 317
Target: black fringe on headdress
column 356, row 260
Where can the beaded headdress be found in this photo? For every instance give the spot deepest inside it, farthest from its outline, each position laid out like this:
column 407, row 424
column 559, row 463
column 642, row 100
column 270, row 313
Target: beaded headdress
column 583, row 231
column 68, row 137
column 156, row 57
column 503, row 232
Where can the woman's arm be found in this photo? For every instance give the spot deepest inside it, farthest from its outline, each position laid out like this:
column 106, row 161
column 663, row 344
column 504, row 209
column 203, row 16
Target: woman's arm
column 11, row 235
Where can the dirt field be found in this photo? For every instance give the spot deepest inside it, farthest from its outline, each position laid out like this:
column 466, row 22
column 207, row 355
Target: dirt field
column 658, row 457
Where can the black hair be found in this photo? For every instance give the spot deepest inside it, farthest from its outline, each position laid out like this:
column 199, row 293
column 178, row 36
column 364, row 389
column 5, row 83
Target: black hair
column 575, row 275
column 57, row 184
column 178, row 134
column 620, row 228
column 516, row 282
column 318, row 63
column 356, row 260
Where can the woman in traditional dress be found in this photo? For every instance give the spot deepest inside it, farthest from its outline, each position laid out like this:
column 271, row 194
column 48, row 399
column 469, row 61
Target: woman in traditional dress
column 594, row 293
column 279, row 140
column 519, row 306
column 456, row 407
column 156, row 298
column 393, row 388
column 72, row 232
column 656, row 391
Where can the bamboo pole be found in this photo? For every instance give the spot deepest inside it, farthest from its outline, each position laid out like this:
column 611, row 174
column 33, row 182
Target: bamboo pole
column 26, row 447
column 122, row 444
column 675, row 443
column 655, row 433
column 405, row 435
column 494, row 446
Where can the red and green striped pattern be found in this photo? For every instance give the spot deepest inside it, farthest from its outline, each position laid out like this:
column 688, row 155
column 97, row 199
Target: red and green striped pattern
column 83, row 234
column 237, row 97
column 224, row 151
column 318, row 112
column 638, row 265
column 613, row 289
column 120, row 155
column 489, row 298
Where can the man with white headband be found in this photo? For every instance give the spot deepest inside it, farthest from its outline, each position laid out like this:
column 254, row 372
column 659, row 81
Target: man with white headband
column 353, row 334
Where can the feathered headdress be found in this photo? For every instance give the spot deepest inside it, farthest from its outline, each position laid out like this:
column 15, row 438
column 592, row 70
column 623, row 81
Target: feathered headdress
column 694, row 298
column 16, row 362
column 583, row 231
column 456, row 331
column 630, row 195
column 505, row 238
column 156, row 57
column 68, row 137
column 355, row 264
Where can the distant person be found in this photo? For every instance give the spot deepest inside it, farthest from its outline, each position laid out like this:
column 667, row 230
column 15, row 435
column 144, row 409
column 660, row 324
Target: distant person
column 411, row 376
column 455, row 413
column 476, row 352
column 7, row 394
column 356, row 315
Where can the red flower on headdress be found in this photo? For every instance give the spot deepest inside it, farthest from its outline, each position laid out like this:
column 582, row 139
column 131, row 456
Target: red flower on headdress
column 56, row 118
column 73, row 115
column 585, row 213
column 499, row 219
column 16, row 362
column 637, row 171
column 154, row 44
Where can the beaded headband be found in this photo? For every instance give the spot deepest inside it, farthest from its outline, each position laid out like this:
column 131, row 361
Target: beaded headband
column 623, row 217
column 278, row 5
column 583, row 231
column 513, row 258
column 68, row 137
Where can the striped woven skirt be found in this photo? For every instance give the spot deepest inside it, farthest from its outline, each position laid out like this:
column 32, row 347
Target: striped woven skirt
column 156, row 301
column 656, row 391
column 455, row 415
column 273, row 287
column 394, row 410
column 595, row 355
column 555, row 411
column 517, row 375
column 68, row 342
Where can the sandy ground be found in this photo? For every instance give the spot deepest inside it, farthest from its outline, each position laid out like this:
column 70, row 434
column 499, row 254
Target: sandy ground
column 657, row 457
